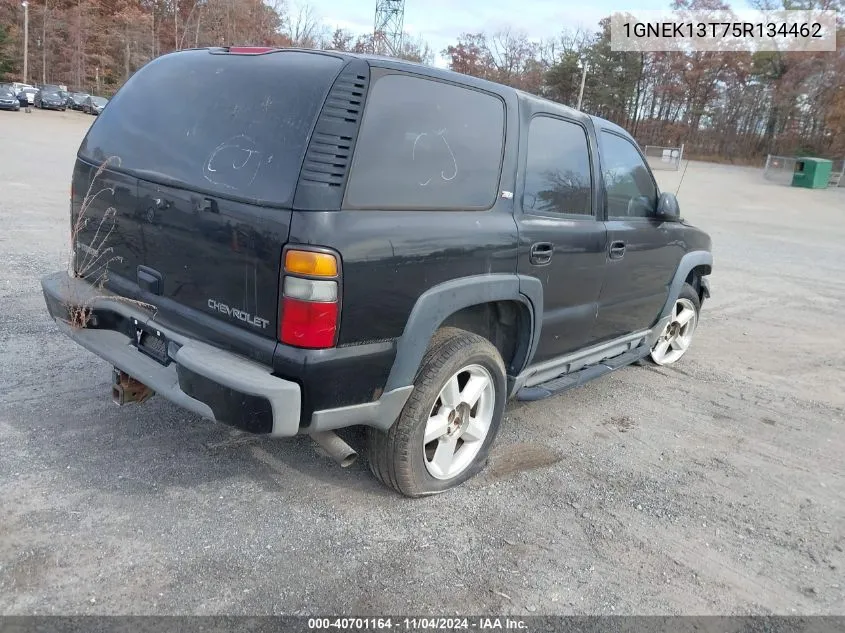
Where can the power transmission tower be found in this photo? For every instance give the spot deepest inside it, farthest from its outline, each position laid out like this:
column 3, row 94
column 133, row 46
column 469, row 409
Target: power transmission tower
column 388, row 29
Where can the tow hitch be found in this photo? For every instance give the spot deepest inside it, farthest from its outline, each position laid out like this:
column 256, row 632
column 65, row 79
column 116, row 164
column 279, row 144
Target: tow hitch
column 126, row 389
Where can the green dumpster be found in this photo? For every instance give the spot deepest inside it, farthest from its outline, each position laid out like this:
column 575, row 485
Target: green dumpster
column 812, row 173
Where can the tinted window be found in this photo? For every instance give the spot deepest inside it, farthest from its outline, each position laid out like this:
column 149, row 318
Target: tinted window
column 6, row 93
column 630, row 189
column 427, row 144
column 557, row 172
column 236, row 125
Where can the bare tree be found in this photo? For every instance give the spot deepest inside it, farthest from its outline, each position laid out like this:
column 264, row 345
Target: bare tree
column 304, row 28
column 341, row 40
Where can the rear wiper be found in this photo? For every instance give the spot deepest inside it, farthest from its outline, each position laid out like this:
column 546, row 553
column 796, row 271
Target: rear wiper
column 163, row 179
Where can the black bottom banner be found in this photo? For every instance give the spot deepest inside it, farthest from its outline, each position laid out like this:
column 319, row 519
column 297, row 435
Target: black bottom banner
column 528, row 624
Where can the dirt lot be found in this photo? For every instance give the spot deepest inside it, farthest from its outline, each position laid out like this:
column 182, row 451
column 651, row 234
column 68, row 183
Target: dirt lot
column 716, row 486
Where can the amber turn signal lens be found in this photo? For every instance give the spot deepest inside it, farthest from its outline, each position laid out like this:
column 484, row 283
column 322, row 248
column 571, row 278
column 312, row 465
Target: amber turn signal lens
column 310, row 263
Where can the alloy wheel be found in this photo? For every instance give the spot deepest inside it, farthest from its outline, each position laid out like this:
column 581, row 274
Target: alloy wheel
column 459, row 422
column 677, row 335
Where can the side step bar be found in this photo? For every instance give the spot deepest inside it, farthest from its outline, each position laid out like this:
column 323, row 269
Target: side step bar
column 575, row 379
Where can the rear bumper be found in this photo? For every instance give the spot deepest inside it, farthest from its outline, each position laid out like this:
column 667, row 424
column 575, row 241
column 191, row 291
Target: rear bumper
column 211, row 382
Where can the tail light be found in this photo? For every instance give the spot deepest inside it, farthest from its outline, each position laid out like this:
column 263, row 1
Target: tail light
column 310, row 299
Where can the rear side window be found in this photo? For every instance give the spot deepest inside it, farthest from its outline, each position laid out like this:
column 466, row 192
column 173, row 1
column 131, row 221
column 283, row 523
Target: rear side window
column 557, row 174
column 426, row 144
column 235, row 125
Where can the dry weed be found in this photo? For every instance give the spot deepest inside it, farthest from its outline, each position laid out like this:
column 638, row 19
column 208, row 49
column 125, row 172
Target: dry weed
column 93, row 263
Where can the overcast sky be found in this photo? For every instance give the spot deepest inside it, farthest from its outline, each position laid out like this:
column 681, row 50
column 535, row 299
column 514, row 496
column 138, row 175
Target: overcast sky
column 440, row 22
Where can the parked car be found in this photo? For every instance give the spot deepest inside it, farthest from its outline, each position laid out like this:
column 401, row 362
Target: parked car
column 26, row 96
column 8, row 99
column 18, row 86
column 94, row 105
column 388, row 245
column 62, row 90
column 76, row 100
column 48, row 99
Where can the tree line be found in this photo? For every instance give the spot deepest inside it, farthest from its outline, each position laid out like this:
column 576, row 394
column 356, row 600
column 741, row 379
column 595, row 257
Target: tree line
column 720, row 105
column 727, row 106
column 98, row 44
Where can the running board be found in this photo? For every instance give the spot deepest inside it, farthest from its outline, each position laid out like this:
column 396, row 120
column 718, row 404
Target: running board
column 575, row 379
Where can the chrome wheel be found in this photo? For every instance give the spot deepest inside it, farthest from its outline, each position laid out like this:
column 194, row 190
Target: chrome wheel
column 459, row 422
column 677, row 335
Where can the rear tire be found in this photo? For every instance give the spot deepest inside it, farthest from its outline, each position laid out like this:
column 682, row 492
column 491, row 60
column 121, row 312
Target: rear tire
column 443, row 435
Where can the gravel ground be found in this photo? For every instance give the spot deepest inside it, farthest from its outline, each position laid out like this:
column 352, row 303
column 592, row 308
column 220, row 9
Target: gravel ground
column 712, row 487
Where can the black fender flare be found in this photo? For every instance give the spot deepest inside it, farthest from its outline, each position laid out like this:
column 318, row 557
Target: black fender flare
column 688, row 262
column 439, row 302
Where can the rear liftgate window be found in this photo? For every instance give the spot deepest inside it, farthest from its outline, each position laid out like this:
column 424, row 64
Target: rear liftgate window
column 425, row 144
column 234, row 125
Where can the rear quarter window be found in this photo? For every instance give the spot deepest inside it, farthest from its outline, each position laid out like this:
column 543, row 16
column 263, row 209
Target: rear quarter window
column 234, row 125
column 426, row 144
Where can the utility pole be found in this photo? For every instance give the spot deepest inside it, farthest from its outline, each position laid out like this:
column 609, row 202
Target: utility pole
column 583, row 81
column 44, row 46
column 25, row 6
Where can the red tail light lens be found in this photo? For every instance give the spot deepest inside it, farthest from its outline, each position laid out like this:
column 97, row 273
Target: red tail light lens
column 309, row 324
column 310, row 299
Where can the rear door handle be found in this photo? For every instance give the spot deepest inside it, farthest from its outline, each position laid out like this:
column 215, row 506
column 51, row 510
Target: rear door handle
column 617, row 250
column 541, row 253
column 207, row 204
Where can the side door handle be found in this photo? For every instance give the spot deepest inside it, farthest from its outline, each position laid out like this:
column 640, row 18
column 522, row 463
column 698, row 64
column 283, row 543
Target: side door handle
column 617, row 250
column 541, row 253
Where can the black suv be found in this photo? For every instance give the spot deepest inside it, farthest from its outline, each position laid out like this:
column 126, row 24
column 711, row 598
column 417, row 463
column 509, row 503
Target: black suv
column 325, row 240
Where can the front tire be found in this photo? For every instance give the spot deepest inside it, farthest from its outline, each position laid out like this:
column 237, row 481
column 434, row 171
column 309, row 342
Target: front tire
column 443, row 435
column 677, row 336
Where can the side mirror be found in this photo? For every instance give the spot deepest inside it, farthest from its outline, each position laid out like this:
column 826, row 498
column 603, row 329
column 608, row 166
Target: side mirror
column 667, row 207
